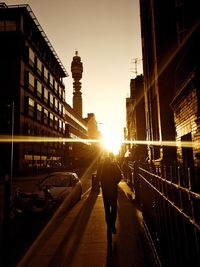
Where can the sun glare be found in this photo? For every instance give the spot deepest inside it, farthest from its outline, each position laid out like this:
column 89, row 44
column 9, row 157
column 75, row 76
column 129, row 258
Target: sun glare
column 111, row 141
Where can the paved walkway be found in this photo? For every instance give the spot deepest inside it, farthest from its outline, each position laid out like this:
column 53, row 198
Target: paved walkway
column 79, row 239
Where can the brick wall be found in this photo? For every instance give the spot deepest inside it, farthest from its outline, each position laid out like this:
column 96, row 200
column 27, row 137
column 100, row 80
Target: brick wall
column 185, row 118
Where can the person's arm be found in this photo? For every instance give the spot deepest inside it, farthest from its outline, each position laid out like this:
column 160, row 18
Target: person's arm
column 117, row 173
column 99, row 172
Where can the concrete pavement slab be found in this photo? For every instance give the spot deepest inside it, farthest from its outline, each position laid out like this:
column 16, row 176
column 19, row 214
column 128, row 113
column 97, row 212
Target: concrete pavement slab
column 79, row 238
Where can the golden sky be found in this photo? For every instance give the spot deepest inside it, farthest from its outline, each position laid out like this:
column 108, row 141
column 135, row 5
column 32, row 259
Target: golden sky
column 107, row 35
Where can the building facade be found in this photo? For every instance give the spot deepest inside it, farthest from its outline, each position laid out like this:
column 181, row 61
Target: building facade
column 171, row 78
column 32, row 102
column 135, row 119
column 78, row 153
column 93, row 132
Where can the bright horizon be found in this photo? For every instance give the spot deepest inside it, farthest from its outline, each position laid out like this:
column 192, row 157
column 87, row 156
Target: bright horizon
column 107, row 36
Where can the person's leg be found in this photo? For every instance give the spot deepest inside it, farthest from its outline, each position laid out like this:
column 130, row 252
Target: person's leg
column 113, row 216
column 107, row 212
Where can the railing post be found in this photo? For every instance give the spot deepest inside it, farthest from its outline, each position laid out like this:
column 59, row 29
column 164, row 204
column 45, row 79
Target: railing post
column 137, row 183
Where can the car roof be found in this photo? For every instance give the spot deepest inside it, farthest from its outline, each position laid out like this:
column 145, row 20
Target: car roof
column 62, row 173
column 58, row 173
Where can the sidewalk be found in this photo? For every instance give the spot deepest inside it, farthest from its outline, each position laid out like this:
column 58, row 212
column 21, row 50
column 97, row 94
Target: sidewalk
column 79, row 239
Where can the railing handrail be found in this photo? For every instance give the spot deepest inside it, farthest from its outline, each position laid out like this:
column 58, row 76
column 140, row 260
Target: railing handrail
column 170, row 203
column 177, row 186
column 180, row 210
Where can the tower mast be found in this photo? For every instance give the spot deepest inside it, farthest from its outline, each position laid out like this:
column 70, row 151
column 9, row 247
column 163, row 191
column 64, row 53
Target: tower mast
column 77, row 70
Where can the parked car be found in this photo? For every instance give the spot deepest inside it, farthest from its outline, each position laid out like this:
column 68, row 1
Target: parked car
column 48, row 194
column 58, row 185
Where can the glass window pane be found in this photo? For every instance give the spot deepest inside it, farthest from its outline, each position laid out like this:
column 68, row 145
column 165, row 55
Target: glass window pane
column 2, row 28
column 31, row 79
column 31, row 55
column 11, row 25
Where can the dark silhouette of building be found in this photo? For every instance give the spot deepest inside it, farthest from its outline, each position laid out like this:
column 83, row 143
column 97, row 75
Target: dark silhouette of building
column 77, row 153
column 170, row 45
column 77, row 70
column 32, row 97
column 135, row 119
column 93, row 132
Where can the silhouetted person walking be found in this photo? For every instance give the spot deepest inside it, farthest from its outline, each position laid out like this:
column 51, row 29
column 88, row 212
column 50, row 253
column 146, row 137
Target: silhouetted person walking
column 109, row 175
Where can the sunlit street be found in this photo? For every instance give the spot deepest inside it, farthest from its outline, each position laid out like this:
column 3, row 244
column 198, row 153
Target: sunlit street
column 99, row 133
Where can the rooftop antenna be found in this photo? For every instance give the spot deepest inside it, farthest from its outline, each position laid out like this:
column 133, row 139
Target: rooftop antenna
column 136, row 62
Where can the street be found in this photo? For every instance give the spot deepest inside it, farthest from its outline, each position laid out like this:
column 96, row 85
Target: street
column 25, row 229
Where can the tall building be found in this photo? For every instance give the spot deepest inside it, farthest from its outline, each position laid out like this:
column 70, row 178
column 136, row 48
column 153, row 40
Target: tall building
column 32, row 95
column 77, row 70
column 76, row 128
column 93, row 132
column 171, row 63
column 135, row 118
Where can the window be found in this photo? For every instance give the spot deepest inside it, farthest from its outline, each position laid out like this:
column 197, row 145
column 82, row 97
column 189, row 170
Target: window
column 45, row 72
column 31, row 82
column 31, row 105
column 55, row 122
column 31, row 57
column 45, row 116
column 46, row 95
column 39, row 112
column 51, row 100
column 50, row 80
column 2, row 25
column 63, row 126
column 60, row 125
column 50, row 119
column 39, row 66
column 60, row 108
column 11, row 25
column 55, row 86
column 56, row 104
column 39, row 89
column 60, row 92
column 8, row 25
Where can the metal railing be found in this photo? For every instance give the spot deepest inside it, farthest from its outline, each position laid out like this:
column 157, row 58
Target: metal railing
column 171, row 213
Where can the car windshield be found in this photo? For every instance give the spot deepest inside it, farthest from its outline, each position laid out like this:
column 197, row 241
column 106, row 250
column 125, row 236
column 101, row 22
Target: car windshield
column 58, row 180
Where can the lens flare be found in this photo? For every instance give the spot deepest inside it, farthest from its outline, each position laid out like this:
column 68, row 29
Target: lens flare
column 111, row 141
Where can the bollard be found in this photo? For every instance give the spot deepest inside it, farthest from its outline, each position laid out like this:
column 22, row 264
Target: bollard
column 95, row 183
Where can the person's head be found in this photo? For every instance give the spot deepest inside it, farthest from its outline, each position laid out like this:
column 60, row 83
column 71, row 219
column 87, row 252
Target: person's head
column 109, row 158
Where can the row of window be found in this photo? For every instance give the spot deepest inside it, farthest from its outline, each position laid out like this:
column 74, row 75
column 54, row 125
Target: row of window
column 75, row 119
column 41, row 114
column 31, row 161
column 45, row 74
column 8, row 25
column 41, row 92
column 31, row 130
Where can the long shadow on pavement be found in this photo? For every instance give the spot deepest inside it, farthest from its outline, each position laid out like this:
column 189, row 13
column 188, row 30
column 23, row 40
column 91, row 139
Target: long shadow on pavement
column 126, row 248
column 67, row 248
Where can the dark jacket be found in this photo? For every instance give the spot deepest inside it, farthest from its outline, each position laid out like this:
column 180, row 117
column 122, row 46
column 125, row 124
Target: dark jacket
column 109, row 176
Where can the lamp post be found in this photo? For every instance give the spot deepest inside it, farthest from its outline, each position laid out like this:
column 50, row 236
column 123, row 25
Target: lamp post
column 7, row 198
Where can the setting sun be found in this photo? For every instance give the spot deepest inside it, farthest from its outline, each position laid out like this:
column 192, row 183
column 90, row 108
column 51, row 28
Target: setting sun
column 111, row 140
